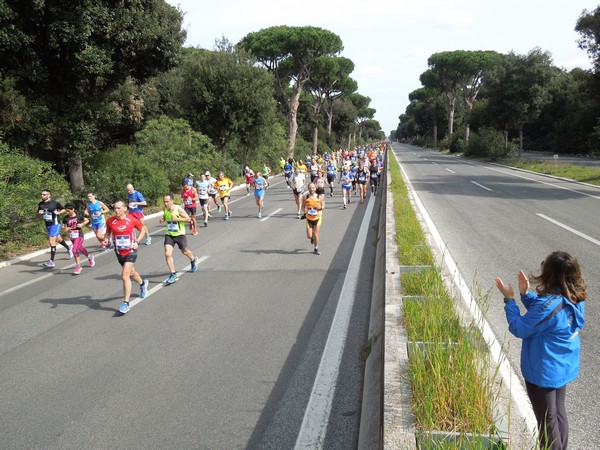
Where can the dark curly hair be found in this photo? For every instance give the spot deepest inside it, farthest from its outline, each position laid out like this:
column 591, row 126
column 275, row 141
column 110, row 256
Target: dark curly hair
column 561, row 273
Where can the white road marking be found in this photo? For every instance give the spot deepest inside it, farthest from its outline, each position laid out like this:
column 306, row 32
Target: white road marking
column 481, row 186
column 568, row 228
column 270, row 215
column 316, row 416
column 449, row 170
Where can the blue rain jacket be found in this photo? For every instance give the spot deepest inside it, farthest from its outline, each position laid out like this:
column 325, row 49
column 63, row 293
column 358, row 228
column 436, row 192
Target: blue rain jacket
column 550, row 333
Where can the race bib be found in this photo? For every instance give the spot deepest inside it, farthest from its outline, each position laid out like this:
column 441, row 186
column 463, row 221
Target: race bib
column 73, row 234
column 172, row 227
column 96, row 214
column 223, row 187
column 123, row 242
column 133, row 205
column 47, row 216
column 188, row 202
column 312, row 212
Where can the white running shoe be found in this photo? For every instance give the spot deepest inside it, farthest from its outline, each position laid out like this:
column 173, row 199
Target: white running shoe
column 49, row 263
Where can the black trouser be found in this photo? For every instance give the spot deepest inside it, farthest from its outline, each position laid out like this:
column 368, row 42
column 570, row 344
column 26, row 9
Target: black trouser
column 549, row 409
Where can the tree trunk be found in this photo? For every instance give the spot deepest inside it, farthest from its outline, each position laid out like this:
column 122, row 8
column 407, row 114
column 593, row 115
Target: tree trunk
column 435, row 135
column 76, row 173
column 451, row 108
column 505, row 142
column 329, row 121
column 520, row 140
column 467, row 132
column 315, row 139
column 293, row 120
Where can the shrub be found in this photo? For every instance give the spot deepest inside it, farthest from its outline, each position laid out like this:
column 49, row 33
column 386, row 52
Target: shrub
column 488, row 142
column 457, row 144
column 22, row 178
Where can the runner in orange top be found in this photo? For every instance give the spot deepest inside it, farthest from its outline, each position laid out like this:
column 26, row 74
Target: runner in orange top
column 224, row 185
column 313, row 207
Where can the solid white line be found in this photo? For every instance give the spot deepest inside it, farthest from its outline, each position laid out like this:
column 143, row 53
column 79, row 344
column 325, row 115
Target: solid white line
column 508, row 374
column 449, row 170
column 316, row 416
column 159, row 286
column 568, row 228
column 272, row 214
column 481, row 186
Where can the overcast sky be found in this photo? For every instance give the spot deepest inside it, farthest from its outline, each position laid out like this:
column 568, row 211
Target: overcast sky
column 390, row 40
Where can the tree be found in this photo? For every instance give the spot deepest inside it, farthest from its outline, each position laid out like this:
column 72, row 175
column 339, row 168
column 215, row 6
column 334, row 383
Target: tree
column 459, row 74
column 289, row 53
column 518, row 90
column 67, row 58
column 588, row 25
column 428, row 110
column 224, row 96
column 329, row 79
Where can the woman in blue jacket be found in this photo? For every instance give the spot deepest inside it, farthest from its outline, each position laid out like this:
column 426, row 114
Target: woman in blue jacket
column 550, row 333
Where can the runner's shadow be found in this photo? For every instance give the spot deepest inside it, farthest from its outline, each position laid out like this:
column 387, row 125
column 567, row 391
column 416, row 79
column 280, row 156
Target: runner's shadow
column 85, row 300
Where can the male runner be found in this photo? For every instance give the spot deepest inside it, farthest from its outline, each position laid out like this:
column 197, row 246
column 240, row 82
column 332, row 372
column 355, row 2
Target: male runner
column 224, row 185
column 190, row 197
column 136, row 201
column 176, row 217
column 203, row 197
column 50, row 210
column 121, row 227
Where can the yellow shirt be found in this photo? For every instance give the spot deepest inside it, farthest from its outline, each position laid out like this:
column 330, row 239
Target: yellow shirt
column 223, row 186
column 313, row 208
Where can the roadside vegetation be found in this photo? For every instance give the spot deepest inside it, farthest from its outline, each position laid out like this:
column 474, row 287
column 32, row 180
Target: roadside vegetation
column 584, row 174
column 451, row 379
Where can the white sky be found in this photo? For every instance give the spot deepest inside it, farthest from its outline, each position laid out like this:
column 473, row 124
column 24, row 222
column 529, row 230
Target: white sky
column 390, row 40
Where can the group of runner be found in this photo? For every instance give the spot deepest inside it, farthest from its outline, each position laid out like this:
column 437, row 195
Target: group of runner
column 126, row 228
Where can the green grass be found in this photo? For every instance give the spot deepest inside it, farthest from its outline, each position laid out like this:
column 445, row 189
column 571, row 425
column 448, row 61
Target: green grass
column 450, row 380
column 579, row 173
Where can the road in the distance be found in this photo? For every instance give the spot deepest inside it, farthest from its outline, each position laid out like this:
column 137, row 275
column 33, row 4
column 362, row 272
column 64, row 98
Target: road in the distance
column 224, row 358
column 495, row 221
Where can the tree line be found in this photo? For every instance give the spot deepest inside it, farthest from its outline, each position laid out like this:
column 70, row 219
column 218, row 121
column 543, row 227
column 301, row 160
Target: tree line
column 94, row 95
column 492, row 104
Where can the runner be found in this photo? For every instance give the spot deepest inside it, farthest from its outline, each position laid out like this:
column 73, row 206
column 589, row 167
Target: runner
column 331, row 172
column 176, row 216
column 189, row 180
column 266, row 172
column 190, row 197
column 320, row 184
column 212, row 191
column 74, row 223
column 249, row 175
column 136, row 201
column 361, row 180
column 224, row 185
column 96, row 210
column 260, row 185
column 313, row 207
column 121, row 227
column 288, row 171
column 374, row 178
column 281, row 165
column 203, row 197
column 297, row 183
column 50, row 210
column 346, row 178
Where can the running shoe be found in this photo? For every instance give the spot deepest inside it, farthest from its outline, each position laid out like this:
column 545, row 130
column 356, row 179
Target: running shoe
column 49, row 263
column 124, row 308
column 259, row 215
column 331, row 194
column 205, row 223
column 312, row 240
column 92, row 261
column 219, row 208
column 298, row 215
column 316, row 251
column 195, row 232
column 77, row 270
column 143, row 288
column 303, row 216
column 172, row 279
column 209, row 215
column 70, row 252
column 194, row 264
column 148, row 240
column 345, row 206
column 229, row 213
column 226, row 217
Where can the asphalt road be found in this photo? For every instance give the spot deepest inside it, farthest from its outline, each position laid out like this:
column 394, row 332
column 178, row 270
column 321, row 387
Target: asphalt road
column 225, row 358
column 496, row 221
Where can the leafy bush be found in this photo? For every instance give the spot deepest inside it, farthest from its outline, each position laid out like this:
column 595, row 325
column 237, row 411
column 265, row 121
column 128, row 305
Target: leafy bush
column 22, row 178
column 457, row 144
column 488, row 142
column 113, row 170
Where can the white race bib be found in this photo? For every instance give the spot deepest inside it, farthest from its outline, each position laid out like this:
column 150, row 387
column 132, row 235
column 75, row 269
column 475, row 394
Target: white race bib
column 73, row 234
column 172, row 227
column 123, row 242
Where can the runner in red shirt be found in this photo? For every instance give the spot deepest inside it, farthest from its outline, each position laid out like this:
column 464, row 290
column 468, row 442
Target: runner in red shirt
column 189, row 195
column 121, row 228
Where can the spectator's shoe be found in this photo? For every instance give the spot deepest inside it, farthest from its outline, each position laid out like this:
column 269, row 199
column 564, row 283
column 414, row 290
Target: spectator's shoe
column 144, row 288
column 77, row 270
column 49, row 263
column 92, row 261
column 124, row 308
column 194, row 264
column 172, row 279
